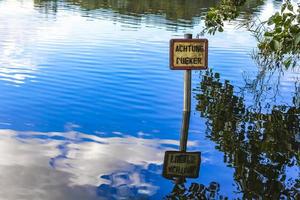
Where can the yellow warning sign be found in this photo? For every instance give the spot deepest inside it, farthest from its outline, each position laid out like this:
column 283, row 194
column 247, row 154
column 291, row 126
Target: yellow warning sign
column 189, row 54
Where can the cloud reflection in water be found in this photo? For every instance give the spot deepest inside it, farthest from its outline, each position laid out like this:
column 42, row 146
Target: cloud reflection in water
column 73, row 165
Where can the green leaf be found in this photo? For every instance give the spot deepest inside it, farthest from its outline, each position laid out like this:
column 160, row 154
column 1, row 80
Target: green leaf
column 270, row 21
column 277, row 19
column 220, row 29
column 287, row 62
column 290, row 7
column 297, row 39
column 278, row 30
column 283, row 7
column 268, row 34
column 275, row 45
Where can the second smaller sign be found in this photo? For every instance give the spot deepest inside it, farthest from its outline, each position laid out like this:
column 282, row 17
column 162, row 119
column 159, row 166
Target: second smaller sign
column 181, row 164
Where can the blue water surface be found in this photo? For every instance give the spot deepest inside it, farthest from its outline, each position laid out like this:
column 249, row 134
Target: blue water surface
column 88, row 104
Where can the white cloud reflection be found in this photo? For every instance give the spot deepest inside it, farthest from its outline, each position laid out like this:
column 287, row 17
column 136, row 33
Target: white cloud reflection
column 55, row 165
column 27, row 39
column 16, row 64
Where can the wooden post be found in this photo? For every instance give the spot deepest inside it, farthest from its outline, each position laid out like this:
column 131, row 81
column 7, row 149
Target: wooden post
column 187, row 85
column 186, row 105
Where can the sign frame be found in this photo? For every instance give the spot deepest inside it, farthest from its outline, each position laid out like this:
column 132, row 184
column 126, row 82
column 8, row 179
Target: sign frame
column 165, row 164
column 171, row 54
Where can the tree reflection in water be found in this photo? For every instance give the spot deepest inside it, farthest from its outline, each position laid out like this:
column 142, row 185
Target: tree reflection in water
column 182, row 11
column 263, row 148
column 196, row 191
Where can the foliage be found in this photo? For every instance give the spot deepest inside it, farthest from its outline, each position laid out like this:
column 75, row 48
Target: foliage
column 283, row 37
column 278, row 37
column 261, row 147
column 227, row 10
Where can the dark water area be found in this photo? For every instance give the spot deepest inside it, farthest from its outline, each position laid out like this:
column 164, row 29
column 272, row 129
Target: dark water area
column 88, row 104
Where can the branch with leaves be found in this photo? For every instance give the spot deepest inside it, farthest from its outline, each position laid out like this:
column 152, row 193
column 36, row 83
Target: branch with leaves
column 278, row 37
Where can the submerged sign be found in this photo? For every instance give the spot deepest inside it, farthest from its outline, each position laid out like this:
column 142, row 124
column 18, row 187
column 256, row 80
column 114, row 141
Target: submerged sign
column 181, row 164
column 188, row 54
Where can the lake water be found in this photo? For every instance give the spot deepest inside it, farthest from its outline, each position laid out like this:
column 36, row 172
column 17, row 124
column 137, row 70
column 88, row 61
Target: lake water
column 88, row 104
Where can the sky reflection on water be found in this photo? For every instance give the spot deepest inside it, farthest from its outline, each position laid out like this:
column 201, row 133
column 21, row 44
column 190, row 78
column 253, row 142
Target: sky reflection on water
column 55, row 165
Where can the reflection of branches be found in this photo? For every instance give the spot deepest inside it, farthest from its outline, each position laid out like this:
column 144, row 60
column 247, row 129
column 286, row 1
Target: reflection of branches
column 296, row 98
column 262, row 83
column 46, row 6
column 260, row 146
column 195, row 191
column 268, row 78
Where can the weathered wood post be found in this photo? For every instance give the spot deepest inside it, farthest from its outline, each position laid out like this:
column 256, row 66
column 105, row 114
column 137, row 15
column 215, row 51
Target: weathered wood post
column 186, row 105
